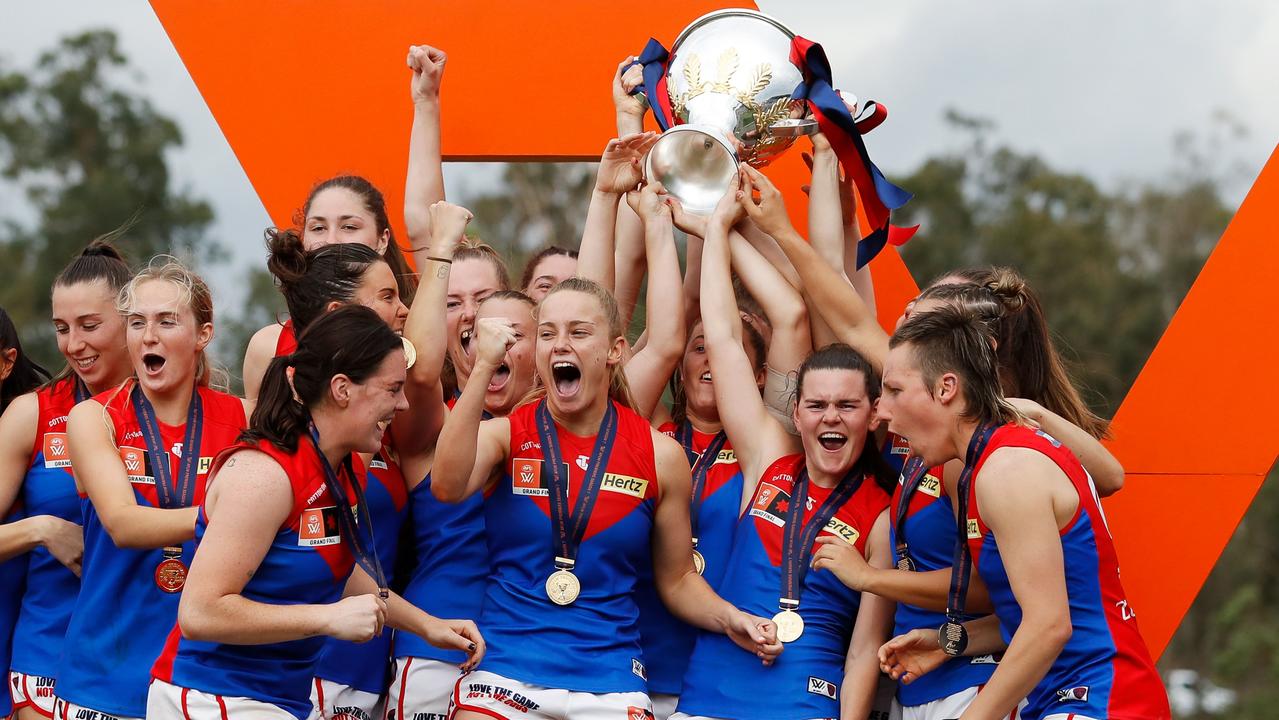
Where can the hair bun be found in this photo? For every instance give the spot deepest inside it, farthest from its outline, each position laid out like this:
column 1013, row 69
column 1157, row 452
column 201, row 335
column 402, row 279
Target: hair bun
column 102, row 247
column 1009, row 287
column 287, row 260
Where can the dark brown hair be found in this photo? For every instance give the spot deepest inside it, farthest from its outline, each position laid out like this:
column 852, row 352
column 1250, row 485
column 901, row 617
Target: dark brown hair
column 956, row 339
column 375, row 204
column 352, row 341
column 531, row 266
column 311, row 280
column 99, row 261
column 26, row 374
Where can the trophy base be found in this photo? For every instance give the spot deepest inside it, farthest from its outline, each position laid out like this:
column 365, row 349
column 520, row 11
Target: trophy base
column 694, row 163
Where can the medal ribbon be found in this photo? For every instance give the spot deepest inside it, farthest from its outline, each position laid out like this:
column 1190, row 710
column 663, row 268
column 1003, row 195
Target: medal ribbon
column 701, row 469
column 961, row 569
column 81, row 390
column 654, row 59
column 183, row 493
column 685, row 436
column 568, row 528
column 879, row 196
column 348, row 522
column 798, row 536
column 912, row 474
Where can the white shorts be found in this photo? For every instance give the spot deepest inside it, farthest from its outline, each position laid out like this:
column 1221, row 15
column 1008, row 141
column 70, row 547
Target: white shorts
column 33, row 691
column 421, row 689
column 335, row 701
column 64, row 710
column 663, row 705
column 170, row 702
column 948, row 707
column 494, row 696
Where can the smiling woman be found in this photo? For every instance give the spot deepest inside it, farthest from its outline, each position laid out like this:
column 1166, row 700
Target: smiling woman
column 286, row 555
column 140, row 453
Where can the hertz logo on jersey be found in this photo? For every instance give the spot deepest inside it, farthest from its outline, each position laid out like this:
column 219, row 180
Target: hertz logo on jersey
column 974, row 531
column 930, row 485
column 842, row 530
column 203, row 467
column 726, row 456
column 625, row 484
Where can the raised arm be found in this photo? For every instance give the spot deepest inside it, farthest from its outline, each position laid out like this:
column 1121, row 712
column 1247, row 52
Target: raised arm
column 470, row 452
column 788, row 317
column 629, row 235
column 415, row 431
column 834, row 299
column 424, row 183
column 257, row 356
column 100, row 472
column 619, row 172
column 757, row 438
column 648, row 371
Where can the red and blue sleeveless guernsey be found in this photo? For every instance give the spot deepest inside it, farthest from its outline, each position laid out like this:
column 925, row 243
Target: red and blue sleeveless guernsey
column 450, row 567
column 930, row 543
column 122, row 615
column 591, row 645
column 365, row 666
column 1105, row 670
column 309, row 562
column 668, row 642
column 727, row 682
column 48, row 489
column 13, row 576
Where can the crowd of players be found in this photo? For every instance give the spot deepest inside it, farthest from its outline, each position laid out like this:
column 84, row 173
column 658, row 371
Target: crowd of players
column 447, row 497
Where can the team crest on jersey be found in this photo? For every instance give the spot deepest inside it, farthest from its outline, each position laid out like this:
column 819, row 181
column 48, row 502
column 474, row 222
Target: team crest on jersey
column 137, row 465
column 771, row 504
column 636, row 713
column 842, row 530
column 930, row 485
column 526, row 477
column 583, row 462
column 825, row 688
column 625, row 484
column 318, row 527
column 637, row 667
column 56, row 454
column 1079, row 693
column 974, row 530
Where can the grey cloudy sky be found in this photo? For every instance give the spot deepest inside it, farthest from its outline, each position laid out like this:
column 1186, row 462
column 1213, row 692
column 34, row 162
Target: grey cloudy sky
column 1094, row 86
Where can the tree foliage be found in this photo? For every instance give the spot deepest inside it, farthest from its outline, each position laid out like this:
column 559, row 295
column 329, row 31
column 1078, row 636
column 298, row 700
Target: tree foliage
column 90, row 155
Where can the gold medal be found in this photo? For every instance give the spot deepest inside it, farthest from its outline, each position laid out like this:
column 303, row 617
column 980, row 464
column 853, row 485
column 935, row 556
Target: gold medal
column 563, row 587
column 699, row 562
column 171, row 572
column 789, row 625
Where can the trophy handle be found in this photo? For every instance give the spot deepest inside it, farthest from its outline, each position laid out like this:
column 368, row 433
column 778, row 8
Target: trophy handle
column 793, row 128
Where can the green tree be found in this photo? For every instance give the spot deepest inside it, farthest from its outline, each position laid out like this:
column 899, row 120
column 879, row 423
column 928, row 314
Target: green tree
column 1111, row 267
column 89, row 154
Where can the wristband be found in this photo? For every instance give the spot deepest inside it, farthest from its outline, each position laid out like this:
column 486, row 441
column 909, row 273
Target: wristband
column 446, row 261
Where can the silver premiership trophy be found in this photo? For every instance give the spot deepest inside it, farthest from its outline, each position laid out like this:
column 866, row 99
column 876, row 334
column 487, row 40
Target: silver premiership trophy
column 730, row 81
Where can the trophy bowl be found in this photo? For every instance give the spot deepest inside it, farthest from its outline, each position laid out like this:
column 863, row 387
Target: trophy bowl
column 730, row 81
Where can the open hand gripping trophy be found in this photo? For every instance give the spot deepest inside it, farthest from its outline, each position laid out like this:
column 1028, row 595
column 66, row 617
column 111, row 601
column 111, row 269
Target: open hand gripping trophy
column 739, row 86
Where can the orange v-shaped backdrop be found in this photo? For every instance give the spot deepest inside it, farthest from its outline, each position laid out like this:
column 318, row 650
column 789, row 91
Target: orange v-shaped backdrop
column 305, row 89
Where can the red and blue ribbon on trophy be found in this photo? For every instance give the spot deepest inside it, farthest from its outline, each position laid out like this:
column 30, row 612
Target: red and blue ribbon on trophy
column 879, row 196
